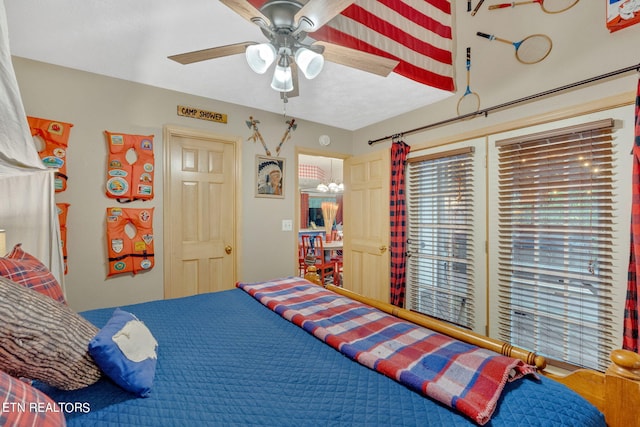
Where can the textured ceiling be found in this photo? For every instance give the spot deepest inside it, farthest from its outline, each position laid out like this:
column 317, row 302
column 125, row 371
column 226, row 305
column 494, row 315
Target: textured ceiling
column 131, row 40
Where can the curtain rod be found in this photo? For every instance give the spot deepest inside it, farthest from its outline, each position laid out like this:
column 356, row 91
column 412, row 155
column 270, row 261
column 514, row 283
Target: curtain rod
column 486, row 111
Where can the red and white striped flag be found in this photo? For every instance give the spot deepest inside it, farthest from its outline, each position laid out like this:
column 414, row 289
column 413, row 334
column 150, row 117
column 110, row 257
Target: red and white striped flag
column 417, row 33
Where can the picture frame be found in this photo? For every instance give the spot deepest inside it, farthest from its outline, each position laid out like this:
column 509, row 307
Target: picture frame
column 270, row 177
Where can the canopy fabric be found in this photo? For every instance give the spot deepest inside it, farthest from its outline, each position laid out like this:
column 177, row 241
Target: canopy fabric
column 27, row 205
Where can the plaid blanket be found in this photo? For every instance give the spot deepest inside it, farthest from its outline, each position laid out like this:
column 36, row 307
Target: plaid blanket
column 462, row 376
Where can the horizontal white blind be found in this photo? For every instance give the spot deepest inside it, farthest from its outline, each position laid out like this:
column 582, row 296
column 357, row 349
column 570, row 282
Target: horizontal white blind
column 440, row 236
column 555, row 230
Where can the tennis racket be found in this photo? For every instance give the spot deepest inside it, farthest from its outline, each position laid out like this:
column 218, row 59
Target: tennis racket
column 470, row 101
column 529, row 50
column 548, row 6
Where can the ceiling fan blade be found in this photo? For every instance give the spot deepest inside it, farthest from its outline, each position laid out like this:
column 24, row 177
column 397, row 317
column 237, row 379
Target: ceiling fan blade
column 358, row 59
column 247, row 11
column 316, row 13
column 211, row 53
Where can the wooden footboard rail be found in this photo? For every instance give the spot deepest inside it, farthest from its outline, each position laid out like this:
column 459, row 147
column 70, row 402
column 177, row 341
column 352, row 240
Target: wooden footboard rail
column 447, row 329
column 615, row 392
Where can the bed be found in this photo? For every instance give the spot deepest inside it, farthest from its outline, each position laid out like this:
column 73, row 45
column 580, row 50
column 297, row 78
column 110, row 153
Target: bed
column 225, row 358
column 254, row 356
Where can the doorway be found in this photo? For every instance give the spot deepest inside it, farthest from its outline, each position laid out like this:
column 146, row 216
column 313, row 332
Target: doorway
column 319, row 202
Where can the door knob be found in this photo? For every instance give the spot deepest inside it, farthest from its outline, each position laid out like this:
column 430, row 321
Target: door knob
column 228, row 249
column 382, row 248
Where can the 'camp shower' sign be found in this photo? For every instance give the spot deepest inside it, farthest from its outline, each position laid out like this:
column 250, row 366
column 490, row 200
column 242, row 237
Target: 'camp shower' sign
column 196, row 113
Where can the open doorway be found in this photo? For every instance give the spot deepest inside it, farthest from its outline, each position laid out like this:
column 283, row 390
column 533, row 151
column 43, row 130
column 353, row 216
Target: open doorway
column 319, row 207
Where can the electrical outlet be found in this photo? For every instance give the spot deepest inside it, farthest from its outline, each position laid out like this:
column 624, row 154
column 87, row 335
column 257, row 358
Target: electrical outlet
column 287, row 225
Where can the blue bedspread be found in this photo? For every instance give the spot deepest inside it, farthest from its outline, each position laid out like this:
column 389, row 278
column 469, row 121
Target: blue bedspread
column 224, row 359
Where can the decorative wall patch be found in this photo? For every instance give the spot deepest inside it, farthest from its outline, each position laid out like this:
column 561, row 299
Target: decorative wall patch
column 622, row 14
column 130, row 254
column 257, row 136
column 130, row 168
column 55, row 136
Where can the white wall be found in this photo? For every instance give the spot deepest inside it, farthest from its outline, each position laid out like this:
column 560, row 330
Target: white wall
column 96, row 103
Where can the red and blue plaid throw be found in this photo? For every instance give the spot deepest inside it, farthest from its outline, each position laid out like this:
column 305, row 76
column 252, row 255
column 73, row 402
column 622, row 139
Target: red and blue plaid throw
column 465, row 377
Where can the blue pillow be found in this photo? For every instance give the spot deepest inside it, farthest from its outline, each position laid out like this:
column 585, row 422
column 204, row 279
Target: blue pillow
column 125, row 351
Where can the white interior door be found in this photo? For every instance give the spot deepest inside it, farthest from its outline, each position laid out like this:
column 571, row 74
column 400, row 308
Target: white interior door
column 366, row 217
column 201, row 175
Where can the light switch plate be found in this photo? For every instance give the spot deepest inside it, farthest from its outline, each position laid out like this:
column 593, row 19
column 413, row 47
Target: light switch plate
column 287, row 225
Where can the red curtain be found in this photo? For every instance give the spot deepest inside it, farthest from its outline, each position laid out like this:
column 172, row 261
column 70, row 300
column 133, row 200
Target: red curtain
column 304, row 210
column 398, row 250
column 339, row 213
column 630, row 340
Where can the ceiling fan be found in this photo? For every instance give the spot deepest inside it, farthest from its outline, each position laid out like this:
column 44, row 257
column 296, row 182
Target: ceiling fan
column 287, row 24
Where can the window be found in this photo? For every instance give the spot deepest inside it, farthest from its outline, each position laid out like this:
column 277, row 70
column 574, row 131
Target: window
column 555, row 237
column 440, row 203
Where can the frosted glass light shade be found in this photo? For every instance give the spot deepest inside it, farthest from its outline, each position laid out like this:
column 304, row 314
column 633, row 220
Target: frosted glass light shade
column 309, row 62
column 282, row 80
column 260, row 56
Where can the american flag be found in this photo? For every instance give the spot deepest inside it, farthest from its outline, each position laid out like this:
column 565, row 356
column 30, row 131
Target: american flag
column 418, row 33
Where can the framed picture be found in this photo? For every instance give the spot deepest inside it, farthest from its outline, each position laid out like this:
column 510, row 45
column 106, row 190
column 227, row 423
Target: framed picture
column 270, row 177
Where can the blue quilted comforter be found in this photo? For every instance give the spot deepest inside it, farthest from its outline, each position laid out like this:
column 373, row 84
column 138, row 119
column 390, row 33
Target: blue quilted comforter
column 225, row 359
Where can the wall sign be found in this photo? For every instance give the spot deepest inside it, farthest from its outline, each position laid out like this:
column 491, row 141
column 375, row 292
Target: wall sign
column 196, row 113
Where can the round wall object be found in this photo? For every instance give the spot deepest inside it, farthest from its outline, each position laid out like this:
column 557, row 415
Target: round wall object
column 324, row 140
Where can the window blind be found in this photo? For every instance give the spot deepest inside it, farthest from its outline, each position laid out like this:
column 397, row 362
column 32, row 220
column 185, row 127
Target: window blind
column 555, row 227
column 440, row 236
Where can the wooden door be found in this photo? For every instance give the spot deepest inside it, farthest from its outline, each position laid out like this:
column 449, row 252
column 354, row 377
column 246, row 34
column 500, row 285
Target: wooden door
column 200, row 242
column 366, row 217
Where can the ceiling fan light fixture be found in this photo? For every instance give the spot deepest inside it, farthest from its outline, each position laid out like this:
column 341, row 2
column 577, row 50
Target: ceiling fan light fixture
column 282, row 77
column 260, row 56
column 309, row 62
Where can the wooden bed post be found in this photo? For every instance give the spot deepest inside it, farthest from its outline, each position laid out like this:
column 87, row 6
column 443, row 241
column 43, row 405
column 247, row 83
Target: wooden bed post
column 312, row 275
column 622, row 389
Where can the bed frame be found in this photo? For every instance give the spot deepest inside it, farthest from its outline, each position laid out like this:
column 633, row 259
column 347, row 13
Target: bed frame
column 616, row 392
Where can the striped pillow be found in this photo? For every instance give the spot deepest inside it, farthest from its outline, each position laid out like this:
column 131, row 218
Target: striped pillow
column 26, row 270
column 23, row 405
column 44, row 340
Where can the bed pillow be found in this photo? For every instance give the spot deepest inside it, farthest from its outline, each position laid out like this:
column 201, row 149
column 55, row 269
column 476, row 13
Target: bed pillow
column 23, row 405
column 44, row 340
column 125, row 350
column 26, row 270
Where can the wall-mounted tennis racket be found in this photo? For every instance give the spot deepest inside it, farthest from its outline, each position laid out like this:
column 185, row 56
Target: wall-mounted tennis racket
column 529, row 50
column 548, row 6
column 470, row 101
